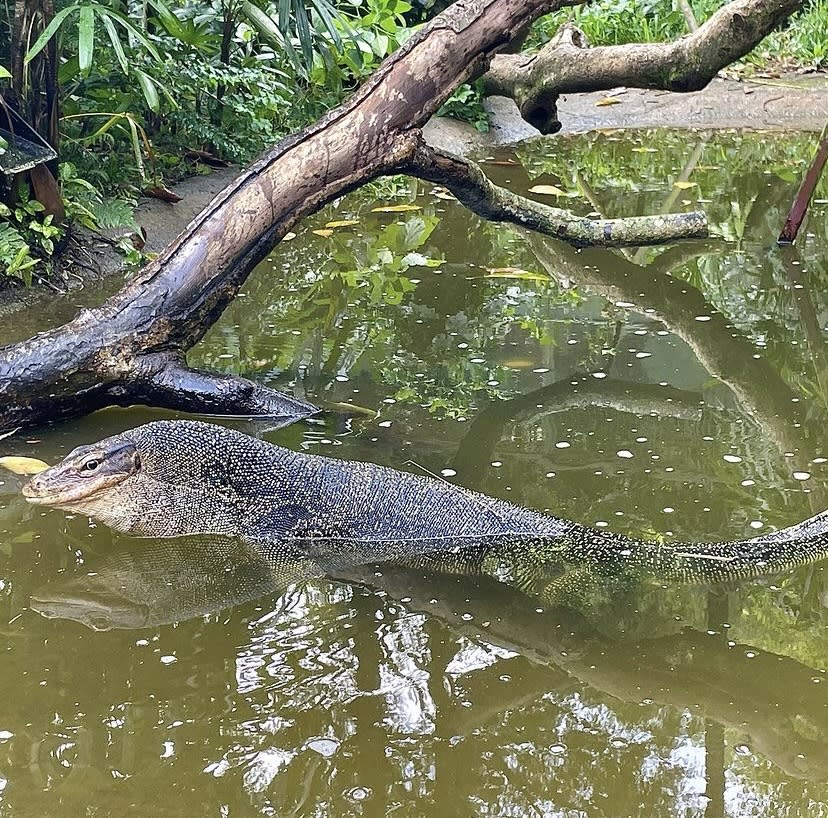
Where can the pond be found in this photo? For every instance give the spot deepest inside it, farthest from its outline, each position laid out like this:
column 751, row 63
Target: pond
column 678, row 392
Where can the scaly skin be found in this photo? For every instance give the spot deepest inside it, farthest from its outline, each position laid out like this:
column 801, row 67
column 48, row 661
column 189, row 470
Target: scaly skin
column 174, row 478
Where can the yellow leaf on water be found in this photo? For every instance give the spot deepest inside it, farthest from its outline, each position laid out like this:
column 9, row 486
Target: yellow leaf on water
column 514, row 272
column 684, row 185
column 400, row 208
column 23, row 465
column 549, row 190
column 342, row 223
column 519, row 363
column 607, row 101
column 344, row 406
column 324, row 233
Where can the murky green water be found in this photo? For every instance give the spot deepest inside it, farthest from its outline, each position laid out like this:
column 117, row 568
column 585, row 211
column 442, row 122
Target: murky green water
column 680, row 391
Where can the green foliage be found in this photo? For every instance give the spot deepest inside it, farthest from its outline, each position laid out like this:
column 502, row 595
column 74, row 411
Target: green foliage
column 466, row 104
column 805, row 40
column 27, row 238
column 616, row 22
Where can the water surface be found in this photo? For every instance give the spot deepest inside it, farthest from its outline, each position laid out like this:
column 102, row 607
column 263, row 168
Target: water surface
column 678, row 391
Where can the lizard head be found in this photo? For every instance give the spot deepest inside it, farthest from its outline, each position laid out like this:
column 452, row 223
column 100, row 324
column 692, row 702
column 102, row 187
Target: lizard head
column 162, row 479
column 85, row 476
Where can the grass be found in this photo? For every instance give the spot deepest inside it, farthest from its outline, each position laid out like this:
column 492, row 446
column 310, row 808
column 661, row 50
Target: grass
column 803, row 41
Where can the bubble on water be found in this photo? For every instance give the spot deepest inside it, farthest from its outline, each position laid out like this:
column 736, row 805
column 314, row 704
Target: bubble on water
column 385, row 424
column 599, row 375
column 550, row 474
column 618, row 742
column 625, row 453
column 541, row 370
column 497, row 463
column 731, row 458
column 448, row 472
column 601, row 523
column 557, row 749
column 748, row 483
column 668, row 509
column 326, row 747
column 742, row 750
column 358, row 794
column 643, row 354
column 169, row 660
column 562, row 444
column 756, row 524
column 477, row 360
column 801, row 475
column 702, row 318
column 641, row 440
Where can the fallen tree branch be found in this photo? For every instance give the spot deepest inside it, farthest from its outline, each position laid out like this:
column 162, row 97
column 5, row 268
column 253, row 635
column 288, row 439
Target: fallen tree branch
column 568, row 65
column 476, row 191
column 104, row 355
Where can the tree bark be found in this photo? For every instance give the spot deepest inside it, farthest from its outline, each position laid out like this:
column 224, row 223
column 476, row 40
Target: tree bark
column 567, row 65
column 470, row 185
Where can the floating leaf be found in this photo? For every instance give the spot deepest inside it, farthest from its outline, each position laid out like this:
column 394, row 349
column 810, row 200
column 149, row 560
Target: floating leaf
column 644, row 149
column 23, row 465
column 684, row 185
column 352, row 407
column 519, row 363
column 548, row 190
column 607, row 101
column 290, row 236
column 514, row 272
column 342, row 223
column 400, row 208
column 324, row 233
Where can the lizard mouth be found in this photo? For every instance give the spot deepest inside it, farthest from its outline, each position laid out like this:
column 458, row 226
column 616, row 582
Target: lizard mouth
column 44, row 497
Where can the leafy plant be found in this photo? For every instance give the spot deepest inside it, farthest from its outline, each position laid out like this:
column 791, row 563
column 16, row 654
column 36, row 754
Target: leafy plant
column 26, row 238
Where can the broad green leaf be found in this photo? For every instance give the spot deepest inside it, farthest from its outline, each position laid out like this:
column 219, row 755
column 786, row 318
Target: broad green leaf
column 149, row 90
column 327, row 13
column 86, row 38
column 131, row 29
column 23, row 465
column 284, row 17
column 48, row 33
column 305, row 36
column 4, row 73
column 117, row 46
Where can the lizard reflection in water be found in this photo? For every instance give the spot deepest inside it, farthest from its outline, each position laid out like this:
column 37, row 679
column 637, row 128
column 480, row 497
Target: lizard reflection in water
column 173, row 478
column 768, row 698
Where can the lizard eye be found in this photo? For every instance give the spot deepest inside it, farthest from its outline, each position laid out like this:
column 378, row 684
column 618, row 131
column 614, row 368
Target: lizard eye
column 90, row 465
